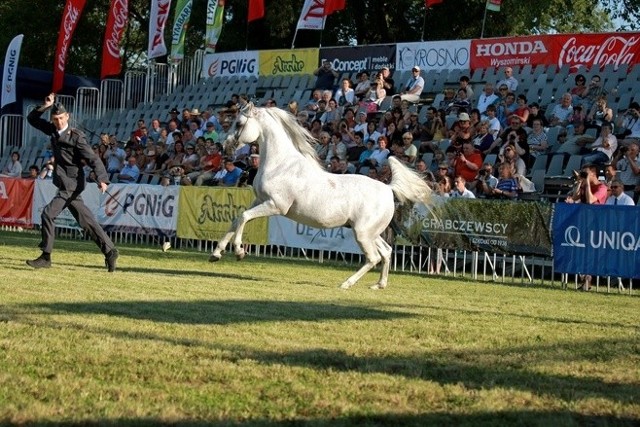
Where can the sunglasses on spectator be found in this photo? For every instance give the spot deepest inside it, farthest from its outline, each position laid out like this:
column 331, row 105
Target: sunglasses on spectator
column 615, row 186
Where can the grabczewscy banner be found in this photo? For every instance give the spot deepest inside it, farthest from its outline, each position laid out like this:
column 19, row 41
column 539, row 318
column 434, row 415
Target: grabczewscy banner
column 10, row 73
column 179, row 32
column 70, row 17
column 157, row 23
column 597, row 240
column 207, row 215
column 215, row 19
column 16, row 202
column 116, row 24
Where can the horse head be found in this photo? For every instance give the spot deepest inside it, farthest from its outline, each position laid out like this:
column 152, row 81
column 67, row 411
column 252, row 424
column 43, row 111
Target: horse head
column 247, row 129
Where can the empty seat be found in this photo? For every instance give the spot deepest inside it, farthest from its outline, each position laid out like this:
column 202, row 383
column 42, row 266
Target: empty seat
column 556, row 164
column 574, row 164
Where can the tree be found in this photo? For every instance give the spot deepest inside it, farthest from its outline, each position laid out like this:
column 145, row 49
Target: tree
column 362, row 22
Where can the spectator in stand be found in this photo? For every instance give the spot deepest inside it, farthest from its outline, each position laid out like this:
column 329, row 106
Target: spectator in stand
column 537, row 140
column 464, row 84
column 485, row 182
column 332, row 114
column 483, row 138
column 413, row 126
column 627, row 163
column 494, row 124
column 460, row 104
column 592, row 93
column 535, row 113
column 507, row 186
column 354, row 152
column 600, row 113
column 510, row 81
column 514, row 135
column 618, row 196
column 208, row 117
column 312, row 105
column 443, row 188
column 315, row 128
column 370, row 146
column 522, row 109
column 374, row 97
column 138, row 133
column 337, row 148
column 488, row 97
column 384, row 77
column 409, row 150
column 225, row 132
column 115, row 156
column 461, row 131
column 177, row 156
column 322, row 147
column 562, row 112
column 460, row 190
column 162, row 158
column 130, row 172
column 13, row 169
column 372, row 132
column 414, row 86
column 364, row 85
column 150, row 165
column 449, row 98
column 292, row 107
column 345, row 95
column 628, row 126
column 506, row 107
column 468, row 162
column 603, row 148
column 211, row 132
column 230, row 179
column 154, row 131
column 379, row 155
column 209, row 165
column 326, row 76
column 34, row 171
column 578, row 92
column 172, row 128
column 510, row 155
column 254, row 165
column 191, row 160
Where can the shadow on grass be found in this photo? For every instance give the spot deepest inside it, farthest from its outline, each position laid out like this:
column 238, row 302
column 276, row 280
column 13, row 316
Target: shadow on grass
column 498, row 418
column 224, row 312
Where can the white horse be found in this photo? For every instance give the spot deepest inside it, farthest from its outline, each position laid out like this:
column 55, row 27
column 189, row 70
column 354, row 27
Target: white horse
column 291, row 182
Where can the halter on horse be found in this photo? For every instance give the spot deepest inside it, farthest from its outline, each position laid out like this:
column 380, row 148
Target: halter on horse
column 291, row 182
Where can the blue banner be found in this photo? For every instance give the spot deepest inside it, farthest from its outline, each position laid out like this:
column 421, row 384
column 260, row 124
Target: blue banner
column 597, row 240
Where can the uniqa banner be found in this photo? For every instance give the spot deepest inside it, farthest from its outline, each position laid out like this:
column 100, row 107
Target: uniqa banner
column 495, row 226
column 597, row 240
column 16, row 196
column 207, row 215
column 9, row 76
column 141, row 209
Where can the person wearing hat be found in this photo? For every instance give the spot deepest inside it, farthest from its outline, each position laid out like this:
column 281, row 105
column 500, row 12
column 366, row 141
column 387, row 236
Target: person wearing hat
column 414, row 86
column 252, row 170
column 210, row 132
column 173, row 115
column 70, row 151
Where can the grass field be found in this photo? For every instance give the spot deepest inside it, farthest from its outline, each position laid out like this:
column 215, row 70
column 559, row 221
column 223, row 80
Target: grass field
column 172, row 339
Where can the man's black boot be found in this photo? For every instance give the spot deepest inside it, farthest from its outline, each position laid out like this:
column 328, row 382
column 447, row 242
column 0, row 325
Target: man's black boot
column 43, row 261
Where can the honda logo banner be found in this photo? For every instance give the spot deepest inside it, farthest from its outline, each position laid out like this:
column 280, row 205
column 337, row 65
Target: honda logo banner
column 70, row 17
column 596, row 240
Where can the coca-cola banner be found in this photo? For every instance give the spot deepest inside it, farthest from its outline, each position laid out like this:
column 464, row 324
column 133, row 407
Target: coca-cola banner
column 575, row 50
column 157, row 23
column 70, row 17
column 116, row 23
column 360, row 58
column 440, row 55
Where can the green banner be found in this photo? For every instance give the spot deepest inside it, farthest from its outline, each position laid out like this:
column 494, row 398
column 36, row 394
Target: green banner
column 514, row 228
column 215, row 13
column 179, row 32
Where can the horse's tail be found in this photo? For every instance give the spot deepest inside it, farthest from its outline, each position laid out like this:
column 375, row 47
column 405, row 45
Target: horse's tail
column 408, row 185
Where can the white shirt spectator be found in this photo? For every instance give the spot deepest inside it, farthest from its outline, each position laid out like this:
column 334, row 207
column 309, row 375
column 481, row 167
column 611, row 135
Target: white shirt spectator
column 622, row 200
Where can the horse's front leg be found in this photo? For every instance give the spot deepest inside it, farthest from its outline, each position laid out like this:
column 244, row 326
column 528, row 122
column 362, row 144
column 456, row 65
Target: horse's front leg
column 222, row 244
column 260, row 210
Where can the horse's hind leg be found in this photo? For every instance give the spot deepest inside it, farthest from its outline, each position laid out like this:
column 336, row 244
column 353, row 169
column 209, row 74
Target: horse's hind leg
column 372, row 255
column 385, row 252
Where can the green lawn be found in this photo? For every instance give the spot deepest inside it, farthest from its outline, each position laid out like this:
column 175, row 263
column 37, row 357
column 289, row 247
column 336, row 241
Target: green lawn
column 173, row 339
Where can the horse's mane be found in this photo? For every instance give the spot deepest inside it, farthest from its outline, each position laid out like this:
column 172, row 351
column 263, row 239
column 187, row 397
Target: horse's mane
column 302, row 140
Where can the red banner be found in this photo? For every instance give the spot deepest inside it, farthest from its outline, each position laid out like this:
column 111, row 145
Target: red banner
column 70, row 18
column 575, row 50
column 256, row 10
column 116, row 24
column 16, row 201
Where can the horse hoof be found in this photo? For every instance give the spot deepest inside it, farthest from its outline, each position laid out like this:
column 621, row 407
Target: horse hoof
column 345, row 285
column 214, row 258
column 240, row 257
column 378, row 286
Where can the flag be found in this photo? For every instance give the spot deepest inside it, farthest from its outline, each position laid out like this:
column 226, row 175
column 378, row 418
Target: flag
column 157, row 23
column 179, row 32
column 256, row 10
column 312, row 16
column 215, row 13
column 494, row 5
column 10, row 72
column 433, row 2
column 331, row 6
column 70, row 18
column 116, row 24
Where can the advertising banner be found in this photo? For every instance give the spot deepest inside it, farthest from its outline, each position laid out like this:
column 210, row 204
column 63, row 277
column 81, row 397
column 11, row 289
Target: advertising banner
column 359, row 58
column 596, row 240
column 128, row 206
column 440, row 55
column 285, row 232
column 10, row 72
column 116, row 24
column 16, row 196
column 479, row 225
column 312, row 15
column 243, row 63
column 215, row 19
column 283, row 62
column 179, row 31
column 207, row 213
column 70, row 17
column 157, row 23
column 45, row 191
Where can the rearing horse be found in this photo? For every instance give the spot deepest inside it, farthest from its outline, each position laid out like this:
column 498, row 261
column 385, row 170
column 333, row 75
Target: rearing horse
column 291, row 182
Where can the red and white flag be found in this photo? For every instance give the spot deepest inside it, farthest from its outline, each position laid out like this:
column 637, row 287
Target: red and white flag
column 430, row 3
column 10, row 73
column 157, row 23
column 256, row 10
column 314, row 13
column 70, row 17
column 116, row 24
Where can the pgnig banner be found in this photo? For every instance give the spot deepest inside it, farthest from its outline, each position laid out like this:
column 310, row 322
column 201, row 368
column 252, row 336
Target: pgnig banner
column 597, row 240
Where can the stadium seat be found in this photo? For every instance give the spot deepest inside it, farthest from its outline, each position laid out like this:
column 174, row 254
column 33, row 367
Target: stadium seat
column 574, row 164
column 540, row 163
column 556, row 164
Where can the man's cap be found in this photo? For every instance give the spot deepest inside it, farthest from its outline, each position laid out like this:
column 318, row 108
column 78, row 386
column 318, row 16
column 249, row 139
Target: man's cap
column 210, row 124
column 58, row 108
column 464, row 117
column 384, row 68
column 534, row 104
column 362, row 113
column 194, row 112
column 443, row 166
column 254, row 156
column 415, row 67
column 174, row 110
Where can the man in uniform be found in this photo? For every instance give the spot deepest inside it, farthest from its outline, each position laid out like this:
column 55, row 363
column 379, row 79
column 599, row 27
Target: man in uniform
column 70, row 149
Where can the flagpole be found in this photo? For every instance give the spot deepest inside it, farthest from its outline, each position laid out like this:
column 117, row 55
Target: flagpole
column 424, row 25
column 324, row 21
column 484, row 19
column 294, row 38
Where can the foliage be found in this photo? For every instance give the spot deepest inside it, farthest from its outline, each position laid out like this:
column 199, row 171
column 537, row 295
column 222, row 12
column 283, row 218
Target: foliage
column 170, row 339
column 362, row 22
